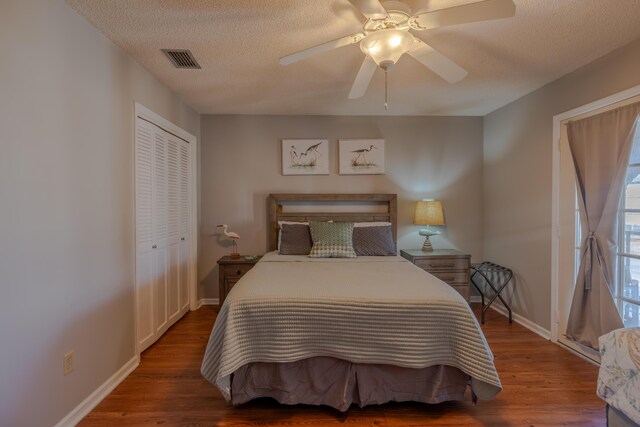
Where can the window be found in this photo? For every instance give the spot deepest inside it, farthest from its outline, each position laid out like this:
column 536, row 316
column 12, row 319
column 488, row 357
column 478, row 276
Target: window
column 627, row 289
column 627, row 278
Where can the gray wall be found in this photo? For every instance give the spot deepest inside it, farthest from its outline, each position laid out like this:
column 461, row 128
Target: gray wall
column 439, row 157
column 66, row 209
column 518, row 173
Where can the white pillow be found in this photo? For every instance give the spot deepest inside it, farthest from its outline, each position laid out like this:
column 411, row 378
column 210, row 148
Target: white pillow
column 371, row 224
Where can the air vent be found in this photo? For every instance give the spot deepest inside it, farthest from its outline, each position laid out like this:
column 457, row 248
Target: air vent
column 182, row 58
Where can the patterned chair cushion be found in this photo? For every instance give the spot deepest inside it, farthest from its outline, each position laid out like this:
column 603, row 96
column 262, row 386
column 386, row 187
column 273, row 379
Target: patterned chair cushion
column 619, row 376
column 332, row 240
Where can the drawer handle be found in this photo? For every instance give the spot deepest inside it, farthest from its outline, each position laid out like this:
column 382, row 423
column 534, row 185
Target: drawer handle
column 447, row 279
column 154, row 246
column 182, row 238
column 239, row 272
column 442, row 265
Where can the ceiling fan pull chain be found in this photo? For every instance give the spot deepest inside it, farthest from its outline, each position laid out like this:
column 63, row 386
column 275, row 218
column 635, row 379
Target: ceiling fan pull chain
column 386, row 105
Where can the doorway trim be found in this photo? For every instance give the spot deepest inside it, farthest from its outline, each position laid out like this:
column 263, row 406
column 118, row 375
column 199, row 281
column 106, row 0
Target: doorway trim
column 555, row 191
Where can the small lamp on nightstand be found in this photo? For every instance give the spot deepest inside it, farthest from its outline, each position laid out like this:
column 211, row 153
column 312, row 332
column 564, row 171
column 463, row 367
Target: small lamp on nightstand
column 428, row 212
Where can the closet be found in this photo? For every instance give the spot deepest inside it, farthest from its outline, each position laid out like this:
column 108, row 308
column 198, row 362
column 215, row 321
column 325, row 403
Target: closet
column 162, row 197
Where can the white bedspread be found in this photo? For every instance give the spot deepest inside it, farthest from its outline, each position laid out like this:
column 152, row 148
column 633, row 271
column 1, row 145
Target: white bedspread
column 364, row 310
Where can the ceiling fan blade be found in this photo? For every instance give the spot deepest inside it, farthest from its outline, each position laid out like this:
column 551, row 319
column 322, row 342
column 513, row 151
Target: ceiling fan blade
column 372, row 9
column 437, row 62
column 363, row 78
column 333, row 44
column 473, row 12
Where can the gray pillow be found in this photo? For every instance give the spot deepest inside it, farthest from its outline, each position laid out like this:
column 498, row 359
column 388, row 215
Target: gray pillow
column 374, row 241
column 332, row 240
column 295, row 239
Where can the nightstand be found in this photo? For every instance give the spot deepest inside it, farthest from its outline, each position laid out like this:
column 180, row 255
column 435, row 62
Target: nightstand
column 231, row 270
column 448, row 265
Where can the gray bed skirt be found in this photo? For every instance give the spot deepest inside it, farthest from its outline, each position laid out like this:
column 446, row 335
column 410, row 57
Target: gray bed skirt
column 339, row 383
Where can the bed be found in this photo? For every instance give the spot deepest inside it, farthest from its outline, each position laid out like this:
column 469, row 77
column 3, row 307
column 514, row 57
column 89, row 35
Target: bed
column 343, row 331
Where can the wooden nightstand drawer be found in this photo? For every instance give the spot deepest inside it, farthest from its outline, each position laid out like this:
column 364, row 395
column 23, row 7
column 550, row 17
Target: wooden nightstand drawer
column 231, row 270
column 448, row 265
column 228, row 284
column 442, row 264
column 462, row 290
column 453, row 277
column 236, row 271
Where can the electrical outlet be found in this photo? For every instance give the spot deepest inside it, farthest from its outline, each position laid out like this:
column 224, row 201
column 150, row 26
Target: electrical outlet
column 67, row 365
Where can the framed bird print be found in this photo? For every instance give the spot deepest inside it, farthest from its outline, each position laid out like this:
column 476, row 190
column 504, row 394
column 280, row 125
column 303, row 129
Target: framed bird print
column 361, row 156
column 305, row 157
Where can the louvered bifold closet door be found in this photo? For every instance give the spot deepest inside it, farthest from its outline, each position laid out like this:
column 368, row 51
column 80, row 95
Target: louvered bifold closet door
column 145, row 277
column 161, row 228
column 185, row 217
column 173, row 209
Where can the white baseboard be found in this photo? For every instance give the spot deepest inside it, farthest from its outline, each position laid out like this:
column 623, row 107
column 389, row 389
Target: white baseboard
column 207, row 301
column 82, row 410
column 533, row 327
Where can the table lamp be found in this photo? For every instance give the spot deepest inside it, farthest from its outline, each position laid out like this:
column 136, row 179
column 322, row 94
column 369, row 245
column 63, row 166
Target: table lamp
column 428, row 212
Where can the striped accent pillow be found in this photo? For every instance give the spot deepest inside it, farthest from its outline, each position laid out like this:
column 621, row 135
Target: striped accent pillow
column 332, row 240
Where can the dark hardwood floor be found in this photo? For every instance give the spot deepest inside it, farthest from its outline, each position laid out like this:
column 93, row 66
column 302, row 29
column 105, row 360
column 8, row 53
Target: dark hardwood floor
column 544, row 385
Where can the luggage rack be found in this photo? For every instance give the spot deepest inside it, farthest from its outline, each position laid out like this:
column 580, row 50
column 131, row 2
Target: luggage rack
column 497, row 278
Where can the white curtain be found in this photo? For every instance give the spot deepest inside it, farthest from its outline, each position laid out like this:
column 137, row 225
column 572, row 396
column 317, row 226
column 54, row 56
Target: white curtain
column 600, row 146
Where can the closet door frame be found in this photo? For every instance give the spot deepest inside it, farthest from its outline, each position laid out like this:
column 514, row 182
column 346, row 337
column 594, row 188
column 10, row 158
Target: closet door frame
column 140, row 111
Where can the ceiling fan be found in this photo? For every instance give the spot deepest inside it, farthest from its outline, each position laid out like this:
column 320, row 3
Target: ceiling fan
column 386, row 36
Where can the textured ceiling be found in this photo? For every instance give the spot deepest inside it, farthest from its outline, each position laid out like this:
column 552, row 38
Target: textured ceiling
column 238, row 43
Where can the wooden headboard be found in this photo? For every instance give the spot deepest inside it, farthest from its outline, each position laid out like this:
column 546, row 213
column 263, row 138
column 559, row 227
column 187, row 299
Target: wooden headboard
column 277, row 212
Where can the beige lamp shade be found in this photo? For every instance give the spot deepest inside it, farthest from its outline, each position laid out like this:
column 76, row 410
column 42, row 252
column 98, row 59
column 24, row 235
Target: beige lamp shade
column 429, row 212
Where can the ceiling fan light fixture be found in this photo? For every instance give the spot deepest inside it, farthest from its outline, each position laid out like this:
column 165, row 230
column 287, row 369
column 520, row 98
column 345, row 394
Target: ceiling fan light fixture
column 385, row 47
column 385, row 37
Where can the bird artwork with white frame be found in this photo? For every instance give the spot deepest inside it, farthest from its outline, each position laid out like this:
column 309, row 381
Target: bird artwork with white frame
column 361, row 156
column 234, row 238
column 305, row 157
